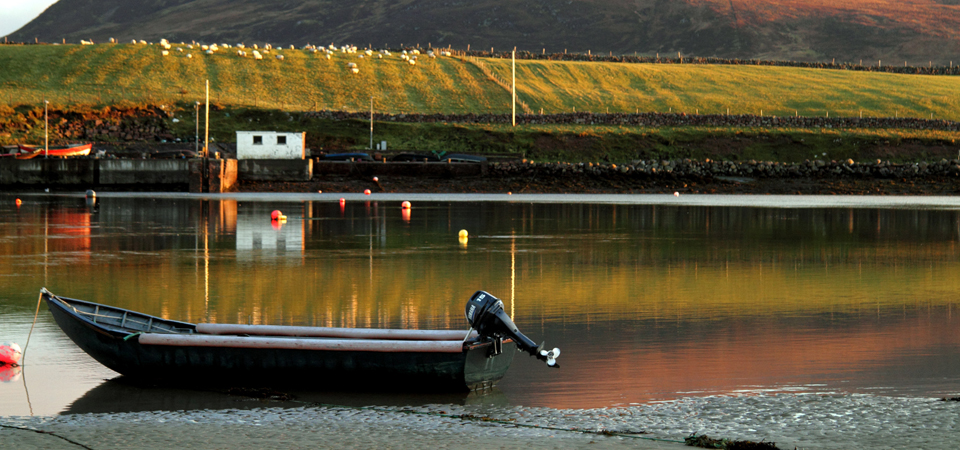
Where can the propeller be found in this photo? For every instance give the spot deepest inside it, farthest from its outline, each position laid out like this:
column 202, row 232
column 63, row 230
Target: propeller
column 485, row 314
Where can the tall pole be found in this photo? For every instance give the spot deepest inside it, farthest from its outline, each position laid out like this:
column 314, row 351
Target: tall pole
column 46, row 131
column 196, row 137
column 206, row 131
column 371, row 123
column 513, row 90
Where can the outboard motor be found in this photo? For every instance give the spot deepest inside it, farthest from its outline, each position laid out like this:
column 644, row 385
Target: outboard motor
column 486, row 315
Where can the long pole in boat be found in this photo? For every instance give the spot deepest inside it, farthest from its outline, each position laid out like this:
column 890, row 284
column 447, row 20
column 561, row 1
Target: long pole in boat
column 206, row 131
column 513, row 89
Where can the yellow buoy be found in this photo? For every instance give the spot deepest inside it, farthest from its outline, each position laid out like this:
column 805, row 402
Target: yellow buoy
column 464, row 234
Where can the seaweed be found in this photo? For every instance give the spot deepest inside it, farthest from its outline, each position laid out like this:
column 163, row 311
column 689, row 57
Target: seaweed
column 704, row 441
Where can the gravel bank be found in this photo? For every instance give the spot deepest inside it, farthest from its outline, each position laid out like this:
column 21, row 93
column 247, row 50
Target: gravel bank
column 814, row 421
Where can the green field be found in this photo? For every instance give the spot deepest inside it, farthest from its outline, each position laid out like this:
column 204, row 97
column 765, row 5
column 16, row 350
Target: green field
column 109, row 74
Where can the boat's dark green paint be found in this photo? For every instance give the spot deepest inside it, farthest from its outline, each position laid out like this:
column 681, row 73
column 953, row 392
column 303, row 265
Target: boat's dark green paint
column 118, row 348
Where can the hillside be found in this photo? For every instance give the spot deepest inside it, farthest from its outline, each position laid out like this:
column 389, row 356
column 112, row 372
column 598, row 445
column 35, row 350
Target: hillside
column 916, row 31
column 108, row 74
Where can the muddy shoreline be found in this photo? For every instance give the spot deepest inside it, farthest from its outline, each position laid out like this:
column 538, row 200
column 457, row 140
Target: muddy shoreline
column 617, row 184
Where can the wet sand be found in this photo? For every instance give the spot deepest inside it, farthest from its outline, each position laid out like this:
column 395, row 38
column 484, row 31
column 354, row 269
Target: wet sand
column 307, row 428
column 790, row 420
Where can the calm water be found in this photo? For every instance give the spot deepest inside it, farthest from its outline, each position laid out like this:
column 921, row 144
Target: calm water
column 649, row 297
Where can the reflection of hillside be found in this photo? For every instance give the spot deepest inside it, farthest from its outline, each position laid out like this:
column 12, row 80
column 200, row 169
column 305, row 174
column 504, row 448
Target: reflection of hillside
column 646, row 360
column 365, row 266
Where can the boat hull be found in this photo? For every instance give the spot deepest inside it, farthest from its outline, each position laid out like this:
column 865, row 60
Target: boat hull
column 475, row 367
column 73, row 150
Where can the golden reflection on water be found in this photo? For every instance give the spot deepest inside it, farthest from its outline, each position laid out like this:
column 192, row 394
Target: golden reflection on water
column 638, row 297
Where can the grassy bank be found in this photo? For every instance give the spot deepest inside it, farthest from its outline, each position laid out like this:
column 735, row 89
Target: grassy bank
column 111, row 74
column 616, row 144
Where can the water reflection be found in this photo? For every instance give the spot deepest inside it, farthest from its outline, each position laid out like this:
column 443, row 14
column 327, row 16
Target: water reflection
column 647, row 301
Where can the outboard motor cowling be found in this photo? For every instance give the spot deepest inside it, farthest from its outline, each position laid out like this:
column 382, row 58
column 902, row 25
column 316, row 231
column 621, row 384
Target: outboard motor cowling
column 486, row 315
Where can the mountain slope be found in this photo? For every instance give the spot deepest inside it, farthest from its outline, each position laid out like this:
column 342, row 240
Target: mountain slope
column 916, row 31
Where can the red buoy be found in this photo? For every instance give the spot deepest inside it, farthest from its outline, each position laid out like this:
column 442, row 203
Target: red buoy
column 366, row 192
column 18, row 202
column 405, row 205
column 276, row 214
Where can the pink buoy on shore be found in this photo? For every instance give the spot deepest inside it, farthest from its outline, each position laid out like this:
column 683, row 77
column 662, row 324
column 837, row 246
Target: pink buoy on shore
column 10, row 353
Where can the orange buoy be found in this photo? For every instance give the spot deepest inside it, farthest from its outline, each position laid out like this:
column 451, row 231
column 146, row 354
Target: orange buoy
column 509, row 193
column 342, row 200
column 319, row 192
column 18, row 202
column 405, row 205
column 366, row 192
column 10, row 353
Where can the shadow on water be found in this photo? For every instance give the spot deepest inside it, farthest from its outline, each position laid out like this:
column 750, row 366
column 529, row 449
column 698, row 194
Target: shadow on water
column 123, row 394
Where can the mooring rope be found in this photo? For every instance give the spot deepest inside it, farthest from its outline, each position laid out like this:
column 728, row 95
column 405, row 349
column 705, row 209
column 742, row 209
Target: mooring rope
column 23, row 353
column 46, row 432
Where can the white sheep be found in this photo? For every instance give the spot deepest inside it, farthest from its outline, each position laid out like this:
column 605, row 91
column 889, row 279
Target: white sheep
column 412, row 61
column 351, row 64
column 204, row 47
column 113, row 41
column 209, row 52
column 267, row 46
column 133, row 41
column 143, row 41
column 240, row 45
column 355, row 70
column 164, row 53
column 255, row 46
column 189, row 55
column 328, row 56
column 163, row 41
column 83, row 42
column 180, row 49
column 257, row 55
column 280, row 57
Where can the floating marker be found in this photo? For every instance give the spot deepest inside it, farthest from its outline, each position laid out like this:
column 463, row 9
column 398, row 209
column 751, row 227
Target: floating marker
column 18, row 202
column 366, row 192
column 509, row 193
column 375, row 179
column 276, row 214
column 319, row 192
column 10, row 353
column 405, row 205
column 342, row 200
column 463, row 234
column 91, row 193
column 676, row 194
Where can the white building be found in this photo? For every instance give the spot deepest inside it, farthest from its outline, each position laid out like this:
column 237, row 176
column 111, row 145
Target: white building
column 271, row 145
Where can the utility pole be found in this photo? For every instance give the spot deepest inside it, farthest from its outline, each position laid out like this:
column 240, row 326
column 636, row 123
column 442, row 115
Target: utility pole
column 46, row 131
column 513, row 90
column 196, row 137
column 371, row 123
column 206, row 132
